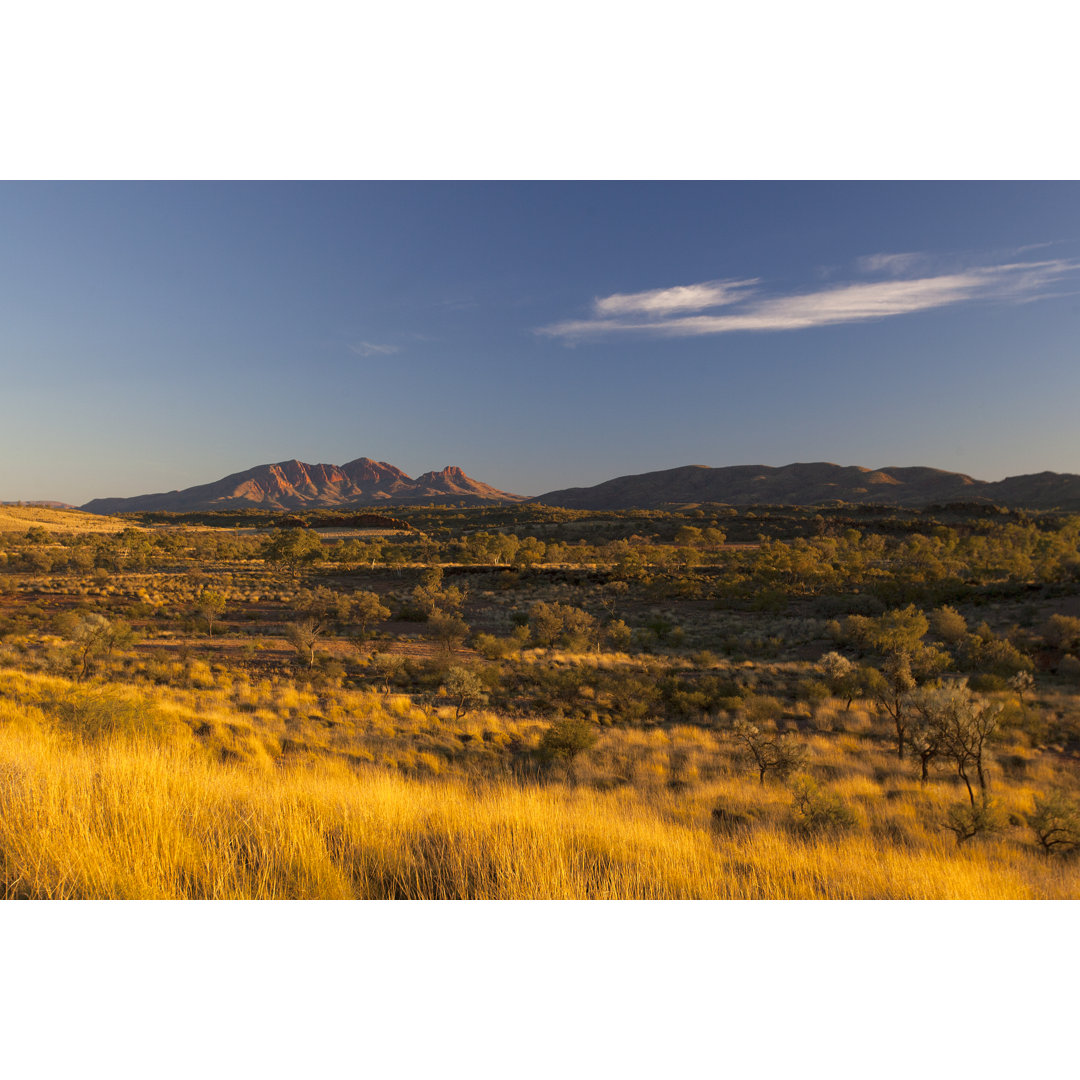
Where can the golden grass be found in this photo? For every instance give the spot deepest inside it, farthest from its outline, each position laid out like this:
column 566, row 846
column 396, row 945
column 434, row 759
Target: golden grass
column 21, row 518
column 149, row 808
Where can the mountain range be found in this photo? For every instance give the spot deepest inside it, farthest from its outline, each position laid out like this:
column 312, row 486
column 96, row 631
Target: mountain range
column 295, row 485
column 817, row 483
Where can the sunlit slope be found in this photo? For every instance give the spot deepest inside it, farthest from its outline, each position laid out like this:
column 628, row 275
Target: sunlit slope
column 139, row 808
column 21, row 518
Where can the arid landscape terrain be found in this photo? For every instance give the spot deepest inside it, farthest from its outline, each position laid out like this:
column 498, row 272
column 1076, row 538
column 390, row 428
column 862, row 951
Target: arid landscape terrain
column 518, row 700
column 491, row 454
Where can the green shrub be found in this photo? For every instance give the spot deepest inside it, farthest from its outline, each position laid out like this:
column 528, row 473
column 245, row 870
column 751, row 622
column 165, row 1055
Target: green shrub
column 566, row 739
column 817, row 810
column 1055, row 820
column 968, row 820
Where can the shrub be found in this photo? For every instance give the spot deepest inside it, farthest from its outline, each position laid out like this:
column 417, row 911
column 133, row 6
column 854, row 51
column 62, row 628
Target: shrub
column 1062, row 632
column 725, row 819
column 988, row 684
column 1055, row 820
column 967, row 820
column 566, row 739
column 494, row 648
column 816, row 810
column 464, row 688
column 780, row 754
column 948, row 625
column 95, row 713
column 1069, row 668
column 618, row 635
column 813, row 691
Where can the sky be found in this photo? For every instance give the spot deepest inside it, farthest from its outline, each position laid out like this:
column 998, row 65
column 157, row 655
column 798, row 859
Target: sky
column 540, row 335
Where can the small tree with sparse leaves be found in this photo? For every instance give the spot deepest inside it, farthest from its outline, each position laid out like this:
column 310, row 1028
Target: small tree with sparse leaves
column 778, row 754
column 303, row 637
column 464, row 688
column 210, row 606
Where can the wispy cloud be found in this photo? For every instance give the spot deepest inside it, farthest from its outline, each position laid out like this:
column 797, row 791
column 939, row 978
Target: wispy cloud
column 368, row 348
column 707, row 294
column 897, row 264
column 666, row 311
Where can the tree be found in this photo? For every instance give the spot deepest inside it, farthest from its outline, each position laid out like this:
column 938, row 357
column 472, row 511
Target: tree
column 529, row 552
column 449, row 631
column 841, row 675
column 545, row 623
column 963, row 726
column 464, row 686
column 579, row 628
column 433, row 598
column 890, row 688
column 92, row 635
column 210, row 605
column 325, row 605
column 366, row 608
column 924, row 731
column 38, row 560
column 292, row 547
column 303, row 637
column 898, row 632
column 780, row 754
column 553, row 623
column 1022, row 682
column 614, row 592
column 387, row 668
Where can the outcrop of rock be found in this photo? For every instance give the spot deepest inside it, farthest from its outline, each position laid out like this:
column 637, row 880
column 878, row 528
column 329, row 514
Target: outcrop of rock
column 296, row 485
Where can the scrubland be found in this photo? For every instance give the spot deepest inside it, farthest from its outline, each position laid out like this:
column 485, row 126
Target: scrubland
column 712, row 727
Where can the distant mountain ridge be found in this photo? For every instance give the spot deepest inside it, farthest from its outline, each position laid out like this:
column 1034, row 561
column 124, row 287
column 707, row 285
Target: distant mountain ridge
column 815, row 483
column 296, row 485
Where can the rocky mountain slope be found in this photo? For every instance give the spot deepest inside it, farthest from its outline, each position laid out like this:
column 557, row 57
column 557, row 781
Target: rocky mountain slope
column 296, row 485
column 817, row 483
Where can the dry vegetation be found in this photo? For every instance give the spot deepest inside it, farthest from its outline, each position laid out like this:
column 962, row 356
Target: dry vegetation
column 617, row 722
column 20, row 518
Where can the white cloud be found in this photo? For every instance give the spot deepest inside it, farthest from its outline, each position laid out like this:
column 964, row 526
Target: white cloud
column 367, row 348
column 826, row 307
column 902, row 262
column 707, row 294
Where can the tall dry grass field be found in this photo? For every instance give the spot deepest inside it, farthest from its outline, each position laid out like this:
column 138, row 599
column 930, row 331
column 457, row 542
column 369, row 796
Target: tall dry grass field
column 53, row 520
column 138, row 805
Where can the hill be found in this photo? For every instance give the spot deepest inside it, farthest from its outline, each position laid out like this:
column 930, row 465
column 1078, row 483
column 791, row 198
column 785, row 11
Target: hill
column 296, row 485
column 21, row 518
column 817, row 483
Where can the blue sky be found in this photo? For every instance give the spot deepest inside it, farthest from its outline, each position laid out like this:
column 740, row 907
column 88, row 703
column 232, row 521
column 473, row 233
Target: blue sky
column 540, row 335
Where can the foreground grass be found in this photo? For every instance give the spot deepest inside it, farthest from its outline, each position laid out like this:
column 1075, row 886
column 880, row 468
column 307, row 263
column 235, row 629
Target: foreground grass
column 130, row 816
